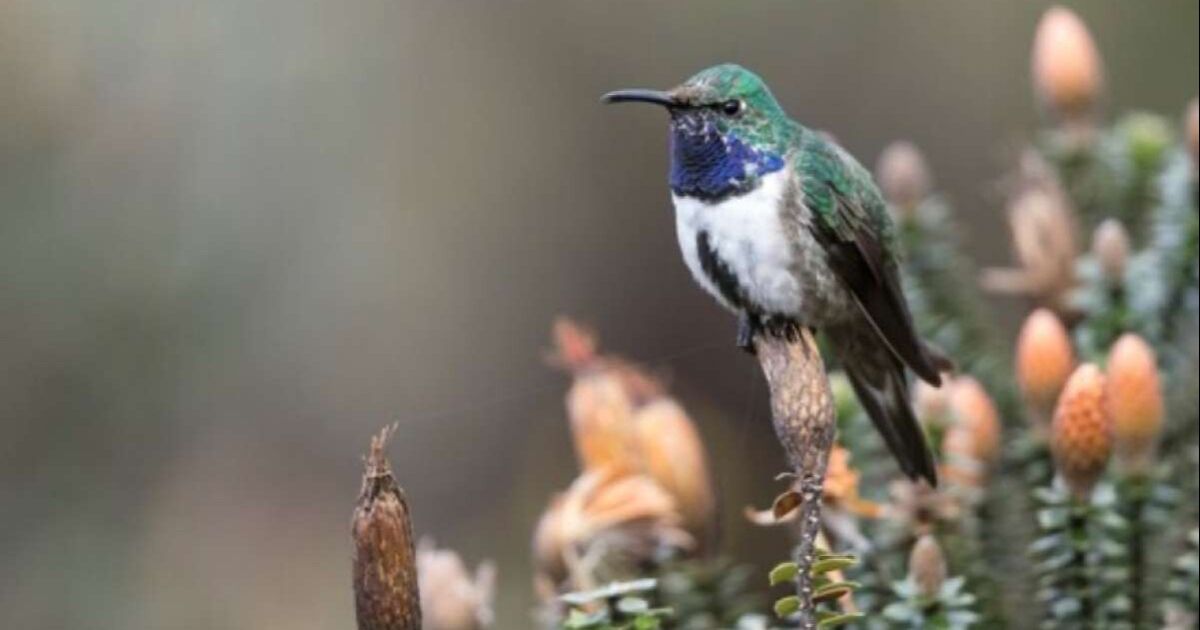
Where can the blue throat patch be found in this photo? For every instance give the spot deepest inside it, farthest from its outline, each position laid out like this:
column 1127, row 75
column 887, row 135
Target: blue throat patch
column 708, row 166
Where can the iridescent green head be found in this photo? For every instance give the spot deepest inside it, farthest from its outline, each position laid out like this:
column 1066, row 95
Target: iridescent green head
column 727, row 130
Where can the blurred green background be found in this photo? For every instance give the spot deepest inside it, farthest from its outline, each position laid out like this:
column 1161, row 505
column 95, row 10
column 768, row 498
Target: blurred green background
column 237, row 237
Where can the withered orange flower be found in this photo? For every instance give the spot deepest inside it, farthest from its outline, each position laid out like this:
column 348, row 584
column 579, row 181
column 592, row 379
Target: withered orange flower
column 839, row 493
column 601, row 415
column 673, row 455
column 631, row 512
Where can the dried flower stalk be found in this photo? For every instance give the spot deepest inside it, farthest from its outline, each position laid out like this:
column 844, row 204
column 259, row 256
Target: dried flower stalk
column 385, row 570
column 802, row 410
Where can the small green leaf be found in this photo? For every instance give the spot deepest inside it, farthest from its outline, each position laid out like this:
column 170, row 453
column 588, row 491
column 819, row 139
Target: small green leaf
column 832, row 564
column 838, row 620
column 787, row 606
column 829, row 594
column 783, row 572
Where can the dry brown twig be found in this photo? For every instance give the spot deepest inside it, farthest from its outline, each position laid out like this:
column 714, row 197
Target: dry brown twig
column 386, row 594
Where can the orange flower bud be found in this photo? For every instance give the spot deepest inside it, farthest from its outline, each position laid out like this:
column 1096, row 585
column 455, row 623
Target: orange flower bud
column 974, row 411
column 1081, row 436
column 1136, row 401
column 1044, row 361
column 1110, row 247
column 673, row 455
column 1067, row 70
column 903, row 175
column 927, row 566
column 959, row 466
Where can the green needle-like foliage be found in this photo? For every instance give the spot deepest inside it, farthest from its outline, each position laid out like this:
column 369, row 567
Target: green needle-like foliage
column 618, row 606
column 1083, row 561
column 1182, row 605
column 709, row 593
column 951, row 608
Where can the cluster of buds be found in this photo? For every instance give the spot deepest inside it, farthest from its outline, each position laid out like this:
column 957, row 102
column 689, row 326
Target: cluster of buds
column 1044, row 240
column 1068, row 74
column 1082, row 434
column 451, row 597
column 1094, row 414
column 903, row 177
column 644, row 483
column 1044, row 361
column 1136, row 403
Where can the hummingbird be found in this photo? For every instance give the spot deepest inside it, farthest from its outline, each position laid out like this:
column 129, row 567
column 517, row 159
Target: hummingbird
column 787, row 230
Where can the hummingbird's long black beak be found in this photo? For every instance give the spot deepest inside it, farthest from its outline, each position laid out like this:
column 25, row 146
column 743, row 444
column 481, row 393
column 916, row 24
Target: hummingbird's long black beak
column 657, row 97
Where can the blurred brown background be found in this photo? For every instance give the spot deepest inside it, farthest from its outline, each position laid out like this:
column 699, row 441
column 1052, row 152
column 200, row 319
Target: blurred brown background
column 237, row 237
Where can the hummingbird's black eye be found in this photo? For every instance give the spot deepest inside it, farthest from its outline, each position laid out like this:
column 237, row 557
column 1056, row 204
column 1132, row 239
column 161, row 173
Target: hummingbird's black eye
column 732, row 107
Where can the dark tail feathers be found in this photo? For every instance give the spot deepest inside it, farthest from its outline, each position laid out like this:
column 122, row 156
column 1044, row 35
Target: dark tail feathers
column 886, row 402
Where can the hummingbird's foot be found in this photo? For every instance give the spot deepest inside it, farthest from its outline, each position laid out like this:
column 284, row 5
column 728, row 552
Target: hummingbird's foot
column 783, row 328
column 748, row 326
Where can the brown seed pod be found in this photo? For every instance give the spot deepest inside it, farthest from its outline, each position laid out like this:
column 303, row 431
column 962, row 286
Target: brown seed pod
column 927, row 566
column 1082, row 436
column 1136, row 402
column 385, row 571
column 1044, row 362
column 1068, row 73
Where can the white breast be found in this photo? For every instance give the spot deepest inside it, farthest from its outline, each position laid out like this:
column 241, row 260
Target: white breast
column 746, row 233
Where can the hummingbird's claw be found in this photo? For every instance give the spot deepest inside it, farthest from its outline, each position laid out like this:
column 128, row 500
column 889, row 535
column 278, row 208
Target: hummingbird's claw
column 747, row 327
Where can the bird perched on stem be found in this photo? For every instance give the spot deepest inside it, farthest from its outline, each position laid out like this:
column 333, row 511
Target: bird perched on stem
column 786, row 229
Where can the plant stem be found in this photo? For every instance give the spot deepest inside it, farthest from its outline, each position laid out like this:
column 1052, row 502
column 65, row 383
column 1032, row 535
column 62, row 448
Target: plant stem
column 1135, row 491
column 802, row 410
column 1079, row 563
